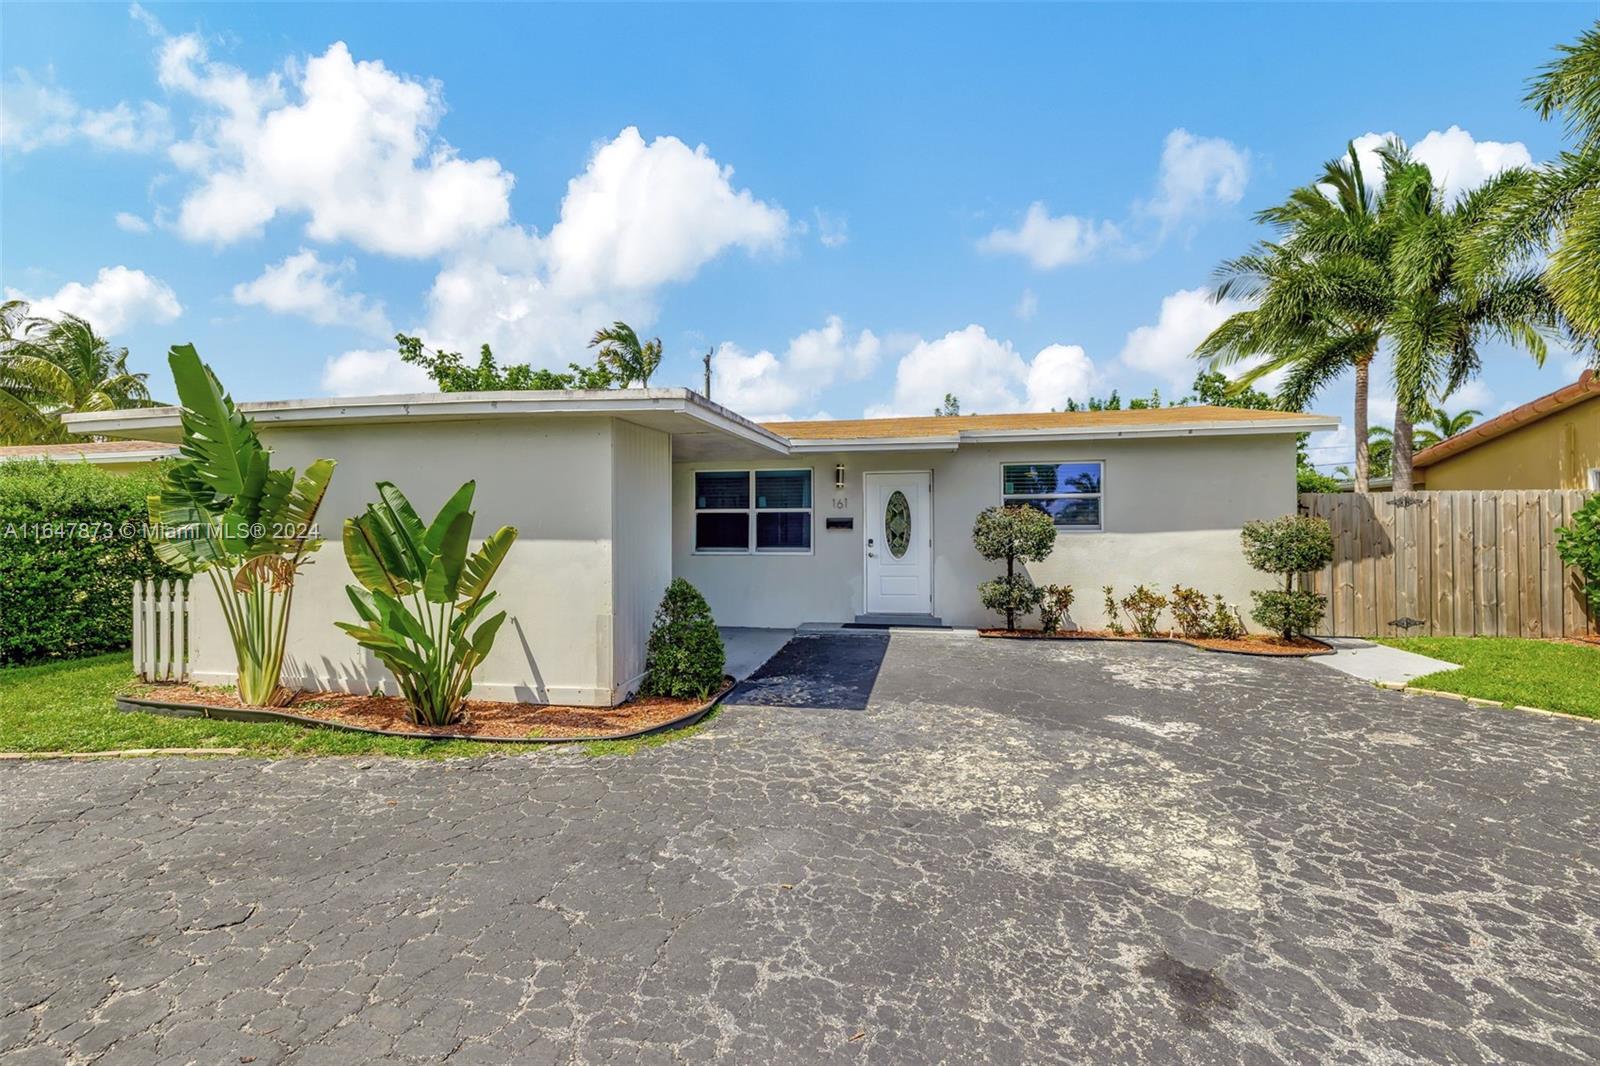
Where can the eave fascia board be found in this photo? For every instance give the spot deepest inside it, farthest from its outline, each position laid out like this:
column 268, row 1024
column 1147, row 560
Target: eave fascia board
column 875, row 444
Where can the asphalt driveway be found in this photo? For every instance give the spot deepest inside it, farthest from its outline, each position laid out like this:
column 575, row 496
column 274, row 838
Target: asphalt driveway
column 930, row 848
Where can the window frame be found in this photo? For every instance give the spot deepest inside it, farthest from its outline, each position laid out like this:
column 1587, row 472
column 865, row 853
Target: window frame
column 752, row 511
column 1100, row 508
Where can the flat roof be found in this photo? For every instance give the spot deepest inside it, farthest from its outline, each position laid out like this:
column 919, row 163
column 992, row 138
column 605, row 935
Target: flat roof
column 1585, row 388
column 89, row 451
column 703, row 429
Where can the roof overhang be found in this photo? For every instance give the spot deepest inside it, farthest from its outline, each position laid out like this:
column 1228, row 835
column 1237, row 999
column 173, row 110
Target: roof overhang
column 951, row 442
column 699, row 428
column 87, row 454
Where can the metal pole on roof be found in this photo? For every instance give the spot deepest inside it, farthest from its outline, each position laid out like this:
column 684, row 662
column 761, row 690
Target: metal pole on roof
column 708, row 372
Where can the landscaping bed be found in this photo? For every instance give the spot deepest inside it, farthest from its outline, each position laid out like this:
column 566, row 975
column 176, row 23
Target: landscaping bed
column 388, row 715
column 1296, row 648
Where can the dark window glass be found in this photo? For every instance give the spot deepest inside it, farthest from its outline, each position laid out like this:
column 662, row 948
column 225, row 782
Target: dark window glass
column 717, row 490
column 783, row 488
column 721, row 532
column 783, row 531
column 1067, row 513
column 1041, row 479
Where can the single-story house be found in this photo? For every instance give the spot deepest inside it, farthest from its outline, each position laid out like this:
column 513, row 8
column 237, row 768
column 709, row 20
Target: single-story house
column 614, row 493
column 1552, row 442
column 117, row 456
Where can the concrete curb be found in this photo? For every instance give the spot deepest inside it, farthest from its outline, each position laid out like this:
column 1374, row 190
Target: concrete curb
column 119, row 753
column 1302, row 653
column 1478, row 701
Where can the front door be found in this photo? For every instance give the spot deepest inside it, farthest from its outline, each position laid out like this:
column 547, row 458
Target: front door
column 899, row 559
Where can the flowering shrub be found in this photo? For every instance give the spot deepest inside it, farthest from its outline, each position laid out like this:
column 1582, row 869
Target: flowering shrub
column 1192, row 611
column 1113, row 620
column 1055, row 602
column 1224, row 621
column 1144, row 607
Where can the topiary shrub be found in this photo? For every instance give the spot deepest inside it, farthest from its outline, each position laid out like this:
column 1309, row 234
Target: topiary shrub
column 1292, row 545
column 685, row 656
column 1054, row 603
column 72, row 543
column 1578, row 545
column 1144, row 607
column 1017, row 535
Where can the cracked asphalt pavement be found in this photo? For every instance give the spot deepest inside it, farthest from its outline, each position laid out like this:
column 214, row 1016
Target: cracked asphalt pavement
column 928, row 848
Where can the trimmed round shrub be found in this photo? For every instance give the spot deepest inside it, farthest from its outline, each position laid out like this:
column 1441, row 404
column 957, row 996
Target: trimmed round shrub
column 685, row 656
column 1293, row 544
column 1017, row 535
column 72, row 543
column 1011, row 595
column 1288, row 611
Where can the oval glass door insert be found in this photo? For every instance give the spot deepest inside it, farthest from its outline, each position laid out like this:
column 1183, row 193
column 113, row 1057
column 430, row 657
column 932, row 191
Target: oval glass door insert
column 897, row 524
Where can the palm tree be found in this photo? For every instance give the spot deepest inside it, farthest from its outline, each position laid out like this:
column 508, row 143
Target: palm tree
column 48, row 369
column 628, row 358
column 1561, row 208
column 1441, row 425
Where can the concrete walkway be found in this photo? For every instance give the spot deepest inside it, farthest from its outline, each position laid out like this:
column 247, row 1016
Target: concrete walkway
column 1378, row 662
column 749, row 649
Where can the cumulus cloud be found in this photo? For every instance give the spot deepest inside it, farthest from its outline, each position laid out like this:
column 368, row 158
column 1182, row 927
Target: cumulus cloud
column 1195, row 175
column 302, row 284
column 36, row 114
column 131, row 223
column 832, row 230
column 767, row 387
column 1027, row 305
column 1166, row 347
column 1459, row 162
column 348, row 144
column 988, row 375
column 117, row 298
column 364, row 372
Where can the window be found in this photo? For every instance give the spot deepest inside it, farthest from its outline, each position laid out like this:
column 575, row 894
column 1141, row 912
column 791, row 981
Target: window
column 1068, row 492
column 735, row 509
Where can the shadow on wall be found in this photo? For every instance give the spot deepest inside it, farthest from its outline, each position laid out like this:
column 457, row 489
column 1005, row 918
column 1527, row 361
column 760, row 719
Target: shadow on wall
column 537, row 692
column 835, row 673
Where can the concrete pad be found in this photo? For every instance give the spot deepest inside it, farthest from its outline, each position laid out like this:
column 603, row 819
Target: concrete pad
column 1378, row 662
column 749, row 649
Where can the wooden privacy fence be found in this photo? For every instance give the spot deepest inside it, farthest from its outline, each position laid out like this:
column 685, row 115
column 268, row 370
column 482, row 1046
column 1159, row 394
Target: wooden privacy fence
column 161, row 630
column 1448, row 564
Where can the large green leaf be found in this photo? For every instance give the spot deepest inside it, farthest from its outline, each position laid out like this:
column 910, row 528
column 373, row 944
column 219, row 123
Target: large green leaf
column 218, row 439
column 242, row 527
column 455, row 505
column 480, row 568
column 444, row 571
column 293, row 517
column 483, row 638
column 403, row 527
column 363, row 552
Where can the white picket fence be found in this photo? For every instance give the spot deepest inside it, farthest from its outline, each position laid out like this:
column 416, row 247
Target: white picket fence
column 161, row 630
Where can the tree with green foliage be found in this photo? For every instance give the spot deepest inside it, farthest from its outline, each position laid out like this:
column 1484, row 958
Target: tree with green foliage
column 224, row 512
column 421, row 590
column 627, row 357
column 1290, row 546
column 1578, row 544
column 451, row 373
column 1018, row 535
column 1441, row 425
column 950, row 408
column 684, row 655
column 52, row 367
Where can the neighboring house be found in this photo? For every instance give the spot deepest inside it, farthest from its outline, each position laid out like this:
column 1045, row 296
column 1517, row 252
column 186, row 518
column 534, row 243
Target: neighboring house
column 118, row 456
column 1552, row 442
column 614, row 493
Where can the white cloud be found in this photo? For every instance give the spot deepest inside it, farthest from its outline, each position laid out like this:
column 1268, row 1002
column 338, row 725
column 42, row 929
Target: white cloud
column 1027, row 305
column 1166, row 347
column 1196, row 173
column 348, row 144
column 131, row 223
column 1458, row 162
column 117, row 298
column 37, row 115
column 373, row 373
column 1048, row 241
column 832, row 230
column 304, row 285
column 987, row 375
column 765, row 387
column 1473, row 394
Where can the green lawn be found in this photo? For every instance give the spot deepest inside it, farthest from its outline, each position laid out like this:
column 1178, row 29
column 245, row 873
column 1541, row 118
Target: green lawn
column 70, row 706
column 1533, row 673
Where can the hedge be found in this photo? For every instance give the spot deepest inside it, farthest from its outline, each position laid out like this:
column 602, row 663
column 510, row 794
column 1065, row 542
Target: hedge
column 71, row 545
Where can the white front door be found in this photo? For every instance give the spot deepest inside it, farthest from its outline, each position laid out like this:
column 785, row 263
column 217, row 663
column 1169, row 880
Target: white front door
column 898, row 543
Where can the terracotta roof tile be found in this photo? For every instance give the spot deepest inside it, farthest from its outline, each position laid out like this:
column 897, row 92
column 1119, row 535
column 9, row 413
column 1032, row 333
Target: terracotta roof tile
column 1586, row 387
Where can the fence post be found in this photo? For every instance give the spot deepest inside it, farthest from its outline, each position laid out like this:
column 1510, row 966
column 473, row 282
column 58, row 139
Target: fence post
column 180, row 631
column 138, row 625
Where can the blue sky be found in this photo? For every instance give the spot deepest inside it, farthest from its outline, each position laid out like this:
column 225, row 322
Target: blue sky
column 859, row 207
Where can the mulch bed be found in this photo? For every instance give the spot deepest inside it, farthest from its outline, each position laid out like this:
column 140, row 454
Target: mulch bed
column 1251, row 645
column 485, row 719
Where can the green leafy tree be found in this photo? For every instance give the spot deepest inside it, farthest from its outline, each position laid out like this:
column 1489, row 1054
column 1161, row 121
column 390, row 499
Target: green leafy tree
column 1441, row 425
column 1017, row 535
column 625, row 355
column 451, row 373
column 224, row 512
column 684, row 655
column 950, row 408
column 1578, row 545
column 1290, row 546
column 419, row 595
column 49, row 368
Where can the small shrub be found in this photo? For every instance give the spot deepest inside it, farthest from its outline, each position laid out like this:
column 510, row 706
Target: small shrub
column 1053, row 607
column 684, row 656
column 1113, row 619
column 1144, row 607
column 1288, row 611
column 1224, row 621
column 1017, row 535
column 1578, row 545
column 1191, row 610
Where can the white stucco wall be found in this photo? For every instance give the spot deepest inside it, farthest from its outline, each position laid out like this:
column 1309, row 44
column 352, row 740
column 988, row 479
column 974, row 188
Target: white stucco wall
column 641, row 546
column 1172, row 511
column 551, row 477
